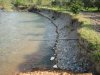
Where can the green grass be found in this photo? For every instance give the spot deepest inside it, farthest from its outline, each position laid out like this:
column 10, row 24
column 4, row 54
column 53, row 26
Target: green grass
column 90, row 36
column 56, row 8
column 92, row 9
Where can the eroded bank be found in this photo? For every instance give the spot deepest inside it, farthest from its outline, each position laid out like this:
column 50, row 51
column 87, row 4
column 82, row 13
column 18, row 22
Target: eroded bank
column 70, row 54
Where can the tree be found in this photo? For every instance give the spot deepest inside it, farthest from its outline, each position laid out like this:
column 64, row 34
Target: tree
column 88, row 3
column 97, row 4
column 39, row 2
column 55, row 2
column 76, row 6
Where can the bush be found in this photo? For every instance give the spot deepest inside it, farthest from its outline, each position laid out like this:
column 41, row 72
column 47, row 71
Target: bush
column 96, row 56
column 17, row 3
column 97, row 4
column 55, row 3
column 76, row 7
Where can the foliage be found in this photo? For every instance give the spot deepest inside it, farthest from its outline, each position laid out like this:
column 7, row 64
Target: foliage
column 96, row 56
column 88, row 3
column 17, row 3
column 91, row 37
column 39, row 2
column 54, row 3
column 76, row 6
column 97, row 4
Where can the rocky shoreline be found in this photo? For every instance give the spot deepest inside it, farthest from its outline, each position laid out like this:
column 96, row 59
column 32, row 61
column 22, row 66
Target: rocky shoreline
column 68, row 54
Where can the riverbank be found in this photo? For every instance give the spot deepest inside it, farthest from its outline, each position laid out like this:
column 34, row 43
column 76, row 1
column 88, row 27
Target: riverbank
column 84, row 29
column 68, row 54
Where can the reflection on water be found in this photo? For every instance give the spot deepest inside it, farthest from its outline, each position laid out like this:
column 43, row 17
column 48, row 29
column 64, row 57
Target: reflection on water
column 21, row 42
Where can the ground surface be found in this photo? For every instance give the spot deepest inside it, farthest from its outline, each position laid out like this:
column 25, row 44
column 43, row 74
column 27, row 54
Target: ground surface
column 53, row 72
column 67, row 50
column 95, row 19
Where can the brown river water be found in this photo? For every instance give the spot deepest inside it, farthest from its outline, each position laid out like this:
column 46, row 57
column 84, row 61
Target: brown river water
column 26, row 41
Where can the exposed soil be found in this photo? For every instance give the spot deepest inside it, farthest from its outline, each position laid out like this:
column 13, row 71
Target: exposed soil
column 53, row 72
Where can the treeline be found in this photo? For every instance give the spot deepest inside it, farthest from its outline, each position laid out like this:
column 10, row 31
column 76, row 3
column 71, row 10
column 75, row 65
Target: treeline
column 73, row 4
column 84, row 3
column 62, row 3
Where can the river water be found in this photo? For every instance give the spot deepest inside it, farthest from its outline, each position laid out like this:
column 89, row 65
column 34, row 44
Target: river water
column 26, row 41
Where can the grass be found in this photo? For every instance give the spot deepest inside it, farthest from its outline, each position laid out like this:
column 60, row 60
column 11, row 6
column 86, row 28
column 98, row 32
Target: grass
column 56, row 8
column 6, row 4
column 91, row 36
column 92, row 9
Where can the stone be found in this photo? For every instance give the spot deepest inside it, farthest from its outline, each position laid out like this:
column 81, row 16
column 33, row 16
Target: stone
column 55, row 66
column 52, row 58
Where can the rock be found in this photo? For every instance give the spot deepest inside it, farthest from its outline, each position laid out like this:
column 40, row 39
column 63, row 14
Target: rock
column 55, row 66
column 54, row 54
column 52, row 58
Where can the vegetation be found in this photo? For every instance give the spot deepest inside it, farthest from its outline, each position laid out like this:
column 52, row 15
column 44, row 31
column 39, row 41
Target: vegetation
column 6, row 4
column 75, row 6
column 91, row 37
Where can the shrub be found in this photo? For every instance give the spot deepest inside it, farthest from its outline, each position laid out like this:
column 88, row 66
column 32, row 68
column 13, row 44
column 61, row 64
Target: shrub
column 96, row 56
column 76, row 7
column 97, row 4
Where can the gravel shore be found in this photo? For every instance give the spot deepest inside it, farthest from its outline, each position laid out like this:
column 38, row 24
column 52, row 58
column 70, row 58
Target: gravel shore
column 67, row 50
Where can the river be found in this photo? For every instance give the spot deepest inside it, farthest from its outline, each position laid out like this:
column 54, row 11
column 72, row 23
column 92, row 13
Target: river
column 26, row 41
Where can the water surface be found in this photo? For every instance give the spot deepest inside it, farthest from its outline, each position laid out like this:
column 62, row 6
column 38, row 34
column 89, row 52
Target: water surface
column 26, row 41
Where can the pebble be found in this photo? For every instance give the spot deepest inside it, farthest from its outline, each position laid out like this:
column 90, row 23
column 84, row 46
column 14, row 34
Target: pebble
column 55, row 66
column 52, row 58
